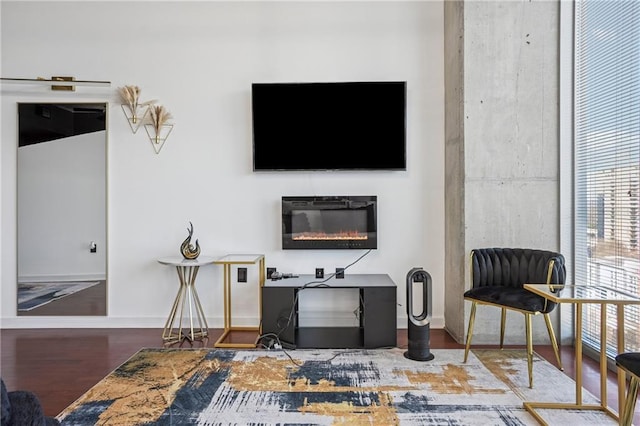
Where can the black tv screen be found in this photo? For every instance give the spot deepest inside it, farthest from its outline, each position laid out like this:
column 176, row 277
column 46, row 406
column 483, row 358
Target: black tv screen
column 329, row 126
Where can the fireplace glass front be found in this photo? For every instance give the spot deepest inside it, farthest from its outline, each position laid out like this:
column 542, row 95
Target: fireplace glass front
column 332, row 222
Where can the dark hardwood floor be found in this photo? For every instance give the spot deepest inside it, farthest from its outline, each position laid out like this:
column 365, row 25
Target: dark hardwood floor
column 59, row 365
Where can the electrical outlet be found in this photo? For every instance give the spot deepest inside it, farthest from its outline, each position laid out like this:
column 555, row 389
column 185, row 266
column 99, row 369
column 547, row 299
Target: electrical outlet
column 270, row 271
column 319, row 272
column 242, row 275
column 339, row 272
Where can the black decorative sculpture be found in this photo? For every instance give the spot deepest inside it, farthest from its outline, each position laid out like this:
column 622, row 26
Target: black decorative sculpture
column 187, row 249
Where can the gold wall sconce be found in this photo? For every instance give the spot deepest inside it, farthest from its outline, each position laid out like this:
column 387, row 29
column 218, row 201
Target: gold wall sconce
column 64, row 87
column 158, row 130
column 134, row 110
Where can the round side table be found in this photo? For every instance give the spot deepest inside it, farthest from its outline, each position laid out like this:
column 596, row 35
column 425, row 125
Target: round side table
column 187, row 295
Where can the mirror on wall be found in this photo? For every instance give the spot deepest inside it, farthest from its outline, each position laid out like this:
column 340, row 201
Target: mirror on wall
column 62, row 209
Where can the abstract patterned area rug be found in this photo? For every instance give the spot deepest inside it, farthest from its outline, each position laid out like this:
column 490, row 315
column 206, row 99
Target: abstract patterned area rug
column 32, row 295
column 326, row 387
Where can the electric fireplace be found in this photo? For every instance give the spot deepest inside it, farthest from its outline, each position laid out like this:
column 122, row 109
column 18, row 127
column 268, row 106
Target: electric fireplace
column 331, row 222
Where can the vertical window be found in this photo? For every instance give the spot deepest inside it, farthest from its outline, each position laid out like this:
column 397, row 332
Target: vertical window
column 607, row 158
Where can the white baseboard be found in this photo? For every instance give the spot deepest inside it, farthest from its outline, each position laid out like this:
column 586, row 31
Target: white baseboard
column 129, row 322
column 56, row 278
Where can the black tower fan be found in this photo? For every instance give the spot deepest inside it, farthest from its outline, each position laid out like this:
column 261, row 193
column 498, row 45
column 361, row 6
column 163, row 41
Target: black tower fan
column 419, row 325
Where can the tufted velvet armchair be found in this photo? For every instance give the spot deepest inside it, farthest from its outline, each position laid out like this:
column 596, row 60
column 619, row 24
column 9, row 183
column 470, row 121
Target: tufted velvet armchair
column 497, row 279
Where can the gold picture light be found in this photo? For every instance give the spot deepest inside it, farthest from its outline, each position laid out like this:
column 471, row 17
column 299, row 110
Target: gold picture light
column 57, row 82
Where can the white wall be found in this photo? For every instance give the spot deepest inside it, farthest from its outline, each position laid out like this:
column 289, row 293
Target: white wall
column 199, row 60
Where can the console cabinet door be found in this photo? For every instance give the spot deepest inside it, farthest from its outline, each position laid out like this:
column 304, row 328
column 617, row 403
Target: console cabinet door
column 379, row 317
column 277, row 303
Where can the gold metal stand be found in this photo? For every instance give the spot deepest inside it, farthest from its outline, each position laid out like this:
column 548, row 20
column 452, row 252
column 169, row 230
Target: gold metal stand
column 187, row 295
column 227, row 261
column 580, row 295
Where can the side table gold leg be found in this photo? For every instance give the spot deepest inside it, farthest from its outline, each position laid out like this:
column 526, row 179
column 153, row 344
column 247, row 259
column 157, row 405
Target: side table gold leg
column 603, row 355
column 202, row 319
column 622, row 377
column 191, row 277
column 227, row 297
column 169, row 335
column 183, row 288
column 261, row 280
column 190, row 295
column 188, row 275
column 578, row 349
column 168, row 326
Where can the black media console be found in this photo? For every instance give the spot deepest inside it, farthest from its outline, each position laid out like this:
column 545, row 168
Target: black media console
column 377, row 328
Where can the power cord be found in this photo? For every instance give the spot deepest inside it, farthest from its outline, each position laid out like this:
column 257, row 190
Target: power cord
column 358, row 311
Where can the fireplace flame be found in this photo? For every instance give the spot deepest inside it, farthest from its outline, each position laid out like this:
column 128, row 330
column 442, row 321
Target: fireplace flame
column 323, row 236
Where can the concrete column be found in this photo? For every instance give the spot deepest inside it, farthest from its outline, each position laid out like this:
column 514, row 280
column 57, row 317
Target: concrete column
column 502, row 145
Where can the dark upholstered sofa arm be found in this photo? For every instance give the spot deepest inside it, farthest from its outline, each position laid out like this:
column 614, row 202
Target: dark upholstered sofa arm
column 21, row 408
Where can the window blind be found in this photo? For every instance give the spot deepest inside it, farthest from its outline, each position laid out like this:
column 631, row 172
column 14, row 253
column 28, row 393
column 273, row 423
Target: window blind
column 607, row 159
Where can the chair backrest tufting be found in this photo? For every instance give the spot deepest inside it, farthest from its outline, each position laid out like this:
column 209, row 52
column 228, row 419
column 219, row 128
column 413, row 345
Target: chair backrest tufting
column 513, row 267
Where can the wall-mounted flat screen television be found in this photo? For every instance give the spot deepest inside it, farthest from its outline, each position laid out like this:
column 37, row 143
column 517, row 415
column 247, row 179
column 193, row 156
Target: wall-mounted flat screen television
column 329, row 126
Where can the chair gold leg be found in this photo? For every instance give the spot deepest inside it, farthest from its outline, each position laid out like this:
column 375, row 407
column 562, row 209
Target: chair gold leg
column 527, row 319
column 472, row 318
column 630, row 405
column 554, row 342
column 503, row 321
